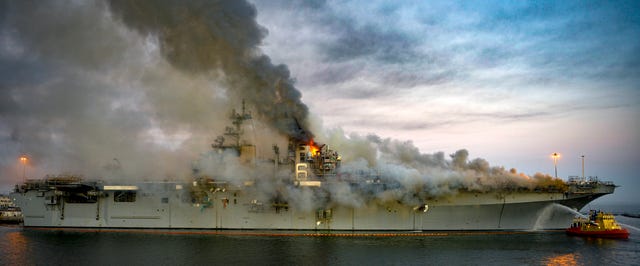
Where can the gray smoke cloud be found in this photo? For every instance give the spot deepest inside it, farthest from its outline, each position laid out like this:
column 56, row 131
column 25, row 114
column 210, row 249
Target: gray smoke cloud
column 90, row 87
column 374, row 171
column 221, row 38
column 387, row 170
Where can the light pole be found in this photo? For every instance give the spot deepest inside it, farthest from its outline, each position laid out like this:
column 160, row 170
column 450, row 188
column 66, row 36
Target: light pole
column 582, row 167
column 23, row 160
column 555, row 156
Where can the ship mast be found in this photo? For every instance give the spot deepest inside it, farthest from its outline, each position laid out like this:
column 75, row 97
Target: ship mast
column 235, row 132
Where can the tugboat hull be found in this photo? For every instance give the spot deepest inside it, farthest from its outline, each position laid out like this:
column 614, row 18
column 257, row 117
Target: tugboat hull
column 616, row 233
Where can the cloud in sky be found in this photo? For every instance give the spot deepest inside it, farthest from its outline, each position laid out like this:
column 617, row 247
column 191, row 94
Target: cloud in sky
column 519, row 59
column 478, row 75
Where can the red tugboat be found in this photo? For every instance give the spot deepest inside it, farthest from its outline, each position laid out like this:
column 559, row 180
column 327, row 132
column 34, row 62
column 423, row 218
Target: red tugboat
column 599, row 224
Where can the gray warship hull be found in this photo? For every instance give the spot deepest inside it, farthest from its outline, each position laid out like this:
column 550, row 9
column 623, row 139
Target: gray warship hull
column 166, row 205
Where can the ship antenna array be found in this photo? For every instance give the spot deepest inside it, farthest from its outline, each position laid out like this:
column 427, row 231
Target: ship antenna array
column 237, row 119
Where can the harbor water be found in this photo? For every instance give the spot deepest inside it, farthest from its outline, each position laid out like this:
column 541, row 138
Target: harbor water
column 25, row 246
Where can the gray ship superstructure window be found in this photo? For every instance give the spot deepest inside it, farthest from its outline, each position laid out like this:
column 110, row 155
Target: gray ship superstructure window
column 124, row 196
column 80, row 198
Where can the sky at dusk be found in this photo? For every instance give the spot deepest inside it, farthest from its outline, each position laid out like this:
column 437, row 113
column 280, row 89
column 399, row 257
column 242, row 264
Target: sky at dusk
column 509, row 81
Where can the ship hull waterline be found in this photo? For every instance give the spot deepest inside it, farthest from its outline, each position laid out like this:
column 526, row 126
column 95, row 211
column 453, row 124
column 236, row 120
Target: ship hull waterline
column 238, row 211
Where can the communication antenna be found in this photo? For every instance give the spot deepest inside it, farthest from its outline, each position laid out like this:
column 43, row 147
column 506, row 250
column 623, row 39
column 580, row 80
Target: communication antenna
column 237, row 119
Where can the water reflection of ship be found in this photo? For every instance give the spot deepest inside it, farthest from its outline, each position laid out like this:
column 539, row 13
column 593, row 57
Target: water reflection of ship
column 304, row 191
column 565, row 259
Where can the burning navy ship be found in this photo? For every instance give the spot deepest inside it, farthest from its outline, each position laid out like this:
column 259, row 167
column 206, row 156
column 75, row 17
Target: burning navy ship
column 305, row 188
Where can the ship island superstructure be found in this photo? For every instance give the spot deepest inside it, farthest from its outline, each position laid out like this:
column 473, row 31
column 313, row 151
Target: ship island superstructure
column 310, row 174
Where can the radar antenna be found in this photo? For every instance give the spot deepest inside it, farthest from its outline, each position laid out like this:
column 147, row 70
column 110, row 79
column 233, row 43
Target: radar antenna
column 235, row 132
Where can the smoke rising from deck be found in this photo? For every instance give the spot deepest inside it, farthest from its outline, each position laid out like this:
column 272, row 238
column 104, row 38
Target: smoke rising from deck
column 221, row 38
column 375, row 171
column 113, row 88
column 409, row 176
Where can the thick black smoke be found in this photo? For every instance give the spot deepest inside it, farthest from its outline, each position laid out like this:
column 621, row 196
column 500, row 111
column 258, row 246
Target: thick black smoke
column 221, row 38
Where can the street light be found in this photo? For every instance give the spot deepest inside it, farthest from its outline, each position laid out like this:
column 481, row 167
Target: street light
column 23, row 160
column 555, row 157
column 582, row 167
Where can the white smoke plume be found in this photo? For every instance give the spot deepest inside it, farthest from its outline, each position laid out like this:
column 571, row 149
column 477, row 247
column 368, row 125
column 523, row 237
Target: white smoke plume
column 374, row 170
column 387, row 170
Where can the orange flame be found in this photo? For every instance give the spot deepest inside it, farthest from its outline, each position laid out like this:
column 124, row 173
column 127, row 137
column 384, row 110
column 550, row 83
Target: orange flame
column 313, row 148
